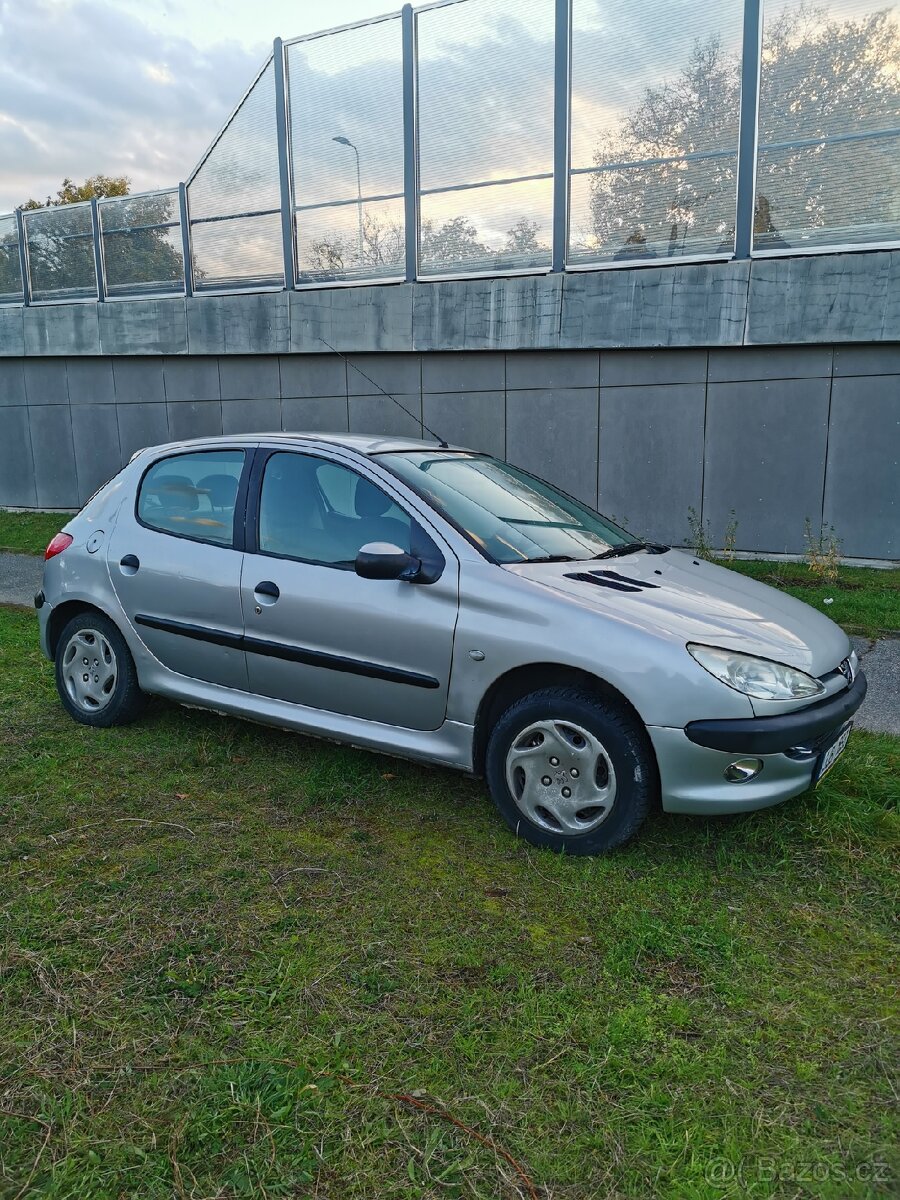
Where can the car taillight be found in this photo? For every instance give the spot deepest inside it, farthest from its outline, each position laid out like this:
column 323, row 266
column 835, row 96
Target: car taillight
column 58, row 544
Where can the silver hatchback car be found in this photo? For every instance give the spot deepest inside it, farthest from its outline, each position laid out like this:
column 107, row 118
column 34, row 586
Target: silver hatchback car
column 440, row 604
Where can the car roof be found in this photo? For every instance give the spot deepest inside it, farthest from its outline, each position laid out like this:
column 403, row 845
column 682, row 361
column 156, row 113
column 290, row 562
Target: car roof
column 362, row 443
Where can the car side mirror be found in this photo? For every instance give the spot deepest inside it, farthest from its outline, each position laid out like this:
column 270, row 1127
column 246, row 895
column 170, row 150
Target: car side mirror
column 382, row 560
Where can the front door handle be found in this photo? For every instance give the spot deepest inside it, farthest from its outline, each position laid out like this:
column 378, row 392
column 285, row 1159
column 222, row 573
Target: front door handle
column 129, row 563
column 267, row 589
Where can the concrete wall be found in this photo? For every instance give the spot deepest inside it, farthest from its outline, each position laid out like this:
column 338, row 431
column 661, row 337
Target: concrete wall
column 784, row 301
column 776, row 433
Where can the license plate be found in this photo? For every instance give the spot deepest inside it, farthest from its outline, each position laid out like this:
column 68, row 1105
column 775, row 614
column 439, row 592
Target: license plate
column 829, row 757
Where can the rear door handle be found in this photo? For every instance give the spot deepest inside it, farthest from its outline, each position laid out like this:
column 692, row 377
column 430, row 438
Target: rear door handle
column 130, row 563
column 267, row 588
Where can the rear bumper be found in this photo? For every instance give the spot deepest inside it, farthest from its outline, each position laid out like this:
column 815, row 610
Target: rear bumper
column 772, row 735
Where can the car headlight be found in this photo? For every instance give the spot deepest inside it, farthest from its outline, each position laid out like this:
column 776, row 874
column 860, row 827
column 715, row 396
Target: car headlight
column 758, row 678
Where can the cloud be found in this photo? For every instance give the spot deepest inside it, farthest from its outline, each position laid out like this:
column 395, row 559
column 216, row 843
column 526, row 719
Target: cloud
column 87, row 88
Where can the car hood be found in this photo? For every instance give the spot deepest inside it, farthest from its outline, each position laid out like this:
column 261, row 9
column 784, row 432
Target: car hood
column 695, row 600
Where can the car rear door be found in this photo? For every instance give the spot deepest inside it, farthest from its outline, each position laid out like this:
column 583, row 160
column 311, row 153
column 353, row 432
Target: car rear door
column 174, row 560
column 318, row 634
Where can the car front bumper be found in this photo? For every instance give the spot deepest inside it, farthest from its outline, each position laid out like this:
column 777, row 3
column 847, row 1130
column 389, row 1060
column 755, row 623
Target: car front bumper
column 692, row 761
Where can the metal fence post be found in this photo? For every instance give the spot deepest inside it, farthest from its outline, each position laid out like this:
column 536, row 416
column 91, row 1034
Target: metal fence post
column 562, row 79
column 410, row 150
column 98, row 250
column 284, row 175
column 749, row 127
column 23, row 257
column 186, row 251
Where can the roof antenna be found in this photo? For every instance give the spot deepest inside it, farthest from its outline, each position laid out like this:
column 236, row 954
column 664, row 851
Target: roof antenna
column 444, row 445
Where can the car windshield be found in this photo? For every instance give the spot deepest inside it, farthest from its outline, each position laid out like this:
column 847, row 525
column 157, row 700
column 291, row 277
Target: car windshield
column 508, row 513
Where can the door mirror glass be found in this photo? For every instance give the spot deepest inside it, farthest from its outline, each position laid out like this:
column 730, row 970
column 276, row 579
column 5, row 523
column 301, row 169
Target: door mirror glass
column 382, row 560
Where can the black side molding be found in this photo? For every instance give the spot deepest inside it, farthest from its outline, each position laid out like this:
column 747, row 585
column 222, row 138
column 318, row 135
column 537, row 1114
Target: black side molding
column 772, row 735
column 298, row 654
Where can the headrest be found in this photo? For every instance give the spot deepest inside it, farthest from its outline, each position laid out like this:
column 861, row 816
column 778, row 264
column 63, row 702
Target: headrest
column 175, row 491
column 369, row 500
column 222, row 489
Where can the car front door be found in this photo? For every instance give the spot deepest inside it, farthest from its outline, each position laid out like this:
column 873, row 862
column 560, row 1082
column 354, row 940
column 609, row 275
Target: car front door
column 319, row 635
column 175, row 563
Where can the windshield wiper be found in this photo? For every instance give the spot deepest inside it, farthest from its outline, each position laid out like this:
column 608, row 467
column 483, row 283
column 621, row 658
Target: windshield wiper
column 552, row 558
column 632, row 548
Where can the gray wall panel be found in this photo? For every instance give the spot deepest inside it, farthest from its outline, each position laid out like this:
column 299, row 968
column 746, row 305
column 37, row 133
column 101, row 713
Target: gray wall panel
column 313, row 375
column 91, row 381
column 142, row 425
column 251, row 416
column 632, row 368
column 463, row 372
column 12, row 381
column 552, row 369
column 474, row 419
column 12, row 330
column 256, row 324
column 139, row 380
column 841, row 297
column 46, row 381
column 53, row 449
column 319, row 414
column 191, row 379
column 194, row 418
column 352, row 320
column 867, row 360
column 765, row 458
column 378, row 414
column 97, row 452
column 370, row 374
column 16, row 464
column 249, row 378
column 63, row 329
column 770, row 362
column 862, row 480
column 554, row 434
column 143, row 326
column 651, row 457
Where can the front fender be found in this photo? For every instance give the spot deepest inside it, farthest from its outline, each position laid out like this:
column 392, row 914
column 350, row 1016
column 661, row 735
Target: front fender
column 513, row 623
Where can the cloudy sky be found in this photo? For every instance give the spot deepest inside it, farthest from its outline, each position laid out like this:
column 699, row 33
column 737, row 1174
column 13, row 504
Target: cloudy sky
column 134, row 87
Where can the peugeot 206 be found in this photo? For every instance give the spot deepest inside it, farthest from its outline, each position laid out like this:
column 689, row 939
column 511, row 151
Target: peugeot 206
column 443, row 605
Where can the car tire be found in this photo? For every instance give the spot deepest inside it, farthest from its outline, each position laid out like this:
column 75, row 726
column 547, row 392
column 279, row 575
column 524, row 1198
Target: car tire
column 95, row 673
column 571, row 771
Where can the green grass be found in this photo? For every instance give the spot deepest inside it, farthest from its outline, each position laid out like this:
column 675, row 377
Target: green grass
column 212, row 931
column 864, row 600
column 29, row 532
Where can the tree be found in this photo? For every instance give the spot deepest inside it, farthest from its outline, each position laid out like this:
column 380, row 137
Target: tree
column 453, row 245
column 138, row 249
column 819, row 77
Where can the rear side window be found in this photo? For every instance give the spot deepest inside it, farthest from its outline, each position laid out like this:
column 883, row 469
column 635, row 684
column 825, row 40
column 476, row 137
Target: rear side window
column 193, row 495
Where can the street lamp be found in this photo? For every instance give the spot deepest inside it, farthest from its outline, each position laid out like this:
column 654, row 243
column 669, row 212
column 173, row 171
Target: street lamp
column 359, row 211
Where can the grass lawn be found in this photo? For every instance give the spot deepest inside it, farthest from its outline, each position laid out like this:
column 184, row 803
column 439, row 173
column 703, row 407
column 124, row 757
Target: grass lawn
column 225, row 950
column 29, row 532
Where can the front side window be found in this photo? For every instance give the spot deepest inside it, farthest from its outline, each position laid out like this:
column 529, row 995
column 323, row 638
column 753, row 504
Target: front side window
column 321, row 512
column 193, row 495
column 509, row 514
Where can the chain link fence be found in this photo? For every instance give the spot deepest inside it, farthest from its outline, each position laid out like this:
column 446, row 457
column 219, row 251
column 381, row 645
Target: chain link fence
column 488, row 137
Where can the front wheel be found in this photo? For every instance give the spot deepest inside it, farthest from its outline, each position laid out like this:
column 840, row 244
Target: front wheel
column 571, row 771
column 95, row 673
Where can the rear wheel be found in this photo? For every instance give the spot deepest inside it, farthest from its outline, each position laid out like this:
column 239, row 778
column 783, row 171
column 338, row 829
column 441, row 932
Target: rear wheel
column 95, row 673
column 571, row 771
